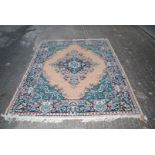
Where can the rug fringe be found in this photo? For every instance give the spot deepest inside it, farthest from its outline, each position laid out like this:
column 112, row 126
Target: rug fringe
column 84, row 119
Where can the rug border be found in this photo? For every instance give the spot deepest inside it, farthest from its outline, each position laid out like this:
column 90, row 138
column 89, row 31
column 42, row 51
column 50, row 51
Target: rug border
column 105, row 117
column 129, row 84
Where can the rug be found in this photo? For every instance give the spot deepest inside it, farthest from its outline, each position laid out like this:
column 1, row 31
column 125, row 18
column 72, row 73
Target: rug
column 74, row 79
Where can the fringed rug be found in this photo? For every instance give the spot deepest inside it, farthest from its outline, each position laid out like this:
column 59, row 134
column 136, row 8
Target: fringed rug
column 76, row 79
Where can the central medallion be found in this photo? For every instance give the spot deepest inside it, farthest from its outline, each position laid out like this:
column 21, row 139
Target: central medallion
column 73, row 70
column 74, row 67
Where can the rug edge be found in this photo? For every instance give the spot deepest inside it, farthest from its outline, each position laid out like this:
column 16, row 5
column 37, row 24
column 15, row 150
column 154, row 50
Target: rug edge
column 126, row 77
column 21, row 81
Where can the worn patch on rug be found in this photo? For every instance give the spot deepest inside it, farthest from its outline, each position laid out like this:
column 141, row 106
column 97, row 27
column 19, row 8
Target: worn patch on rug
column 75, row 78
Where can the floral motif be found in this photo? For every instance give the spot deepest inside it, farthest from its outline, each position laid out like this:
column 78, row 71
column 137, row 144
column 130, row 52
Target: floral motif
column 74, row 67
column 45, row 107
column 100, row 105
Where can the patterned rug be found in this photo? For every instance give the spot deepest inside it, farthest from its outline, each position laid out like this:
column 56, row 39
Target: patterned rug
column 76, row 79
